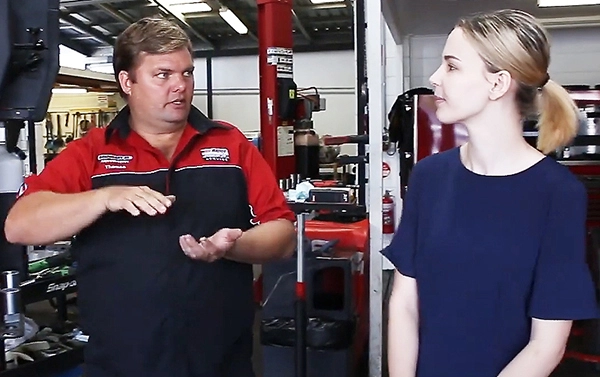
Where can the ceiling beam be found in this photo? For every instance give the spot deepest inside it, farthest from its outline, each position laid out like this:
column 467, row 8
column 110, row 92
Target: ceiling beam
column 109, row 40
column 314, row 47
column 80, row 3
column 115, row 14
column 195, row 32
column 308, row 8
column 300, row 26
column 75, row 45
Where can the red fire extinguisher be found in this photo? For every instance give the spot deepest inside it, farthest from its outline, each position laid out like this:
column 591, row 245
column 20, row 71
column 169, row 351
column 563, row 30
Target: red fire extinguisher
column 389, row 218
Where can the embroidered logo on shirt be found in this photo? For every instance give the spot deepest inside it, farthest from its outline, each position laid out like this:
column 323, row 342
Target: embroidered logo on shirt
column 215, row 154
column 110, row 159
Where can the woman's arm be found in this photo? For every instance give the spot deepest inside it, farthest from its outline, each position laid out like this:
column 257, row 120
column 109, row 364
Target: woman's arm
column 403, row 327
column 544, row 351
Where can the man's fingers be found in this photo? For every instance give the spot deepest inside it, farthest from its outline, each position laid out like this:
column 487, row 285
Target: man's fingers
column 144, row 206
column 156, row 199
column 131, row 208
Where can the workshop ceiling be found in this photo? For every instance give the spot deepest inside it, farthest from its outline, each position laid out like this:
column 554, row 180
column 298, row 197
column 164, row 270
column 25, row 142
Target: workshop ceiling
column 91, row 26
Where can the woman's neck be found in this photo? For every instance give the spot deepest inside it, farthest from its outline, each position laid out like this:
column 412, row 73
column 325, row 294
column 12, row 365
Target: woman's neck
column 497, row 147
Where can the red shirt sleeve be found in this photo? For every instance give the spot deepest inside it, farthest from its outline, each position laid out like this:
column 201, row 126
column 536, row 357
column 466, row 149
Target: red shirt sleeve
column 68, row 173
column 267, row 202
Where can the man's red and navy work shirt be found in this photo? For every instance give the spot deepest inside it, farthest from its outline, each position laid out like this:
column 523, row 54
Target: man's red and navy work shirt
column 149, row 309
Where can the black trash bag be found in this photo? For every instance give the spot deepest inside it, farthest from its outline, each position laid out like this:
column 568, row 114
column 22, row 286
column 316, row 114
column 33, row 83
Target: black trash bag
column 321, row 333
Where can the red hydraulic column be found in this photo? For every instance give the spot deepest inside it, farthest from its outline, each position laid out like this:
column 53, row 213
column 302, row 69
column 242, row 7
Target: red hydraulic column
column 277, row 88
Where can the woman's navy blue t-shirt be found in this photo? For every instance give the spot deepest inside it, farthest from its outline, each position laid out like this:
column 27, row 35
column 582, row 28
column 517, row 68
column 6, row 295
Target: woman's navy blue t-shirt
column 488, row 254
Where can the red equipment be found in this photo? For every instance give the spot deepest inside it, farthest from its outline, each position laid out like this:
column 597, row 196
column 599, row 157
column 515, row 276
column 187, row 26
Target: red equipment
column 389, row 216
column 277, row 87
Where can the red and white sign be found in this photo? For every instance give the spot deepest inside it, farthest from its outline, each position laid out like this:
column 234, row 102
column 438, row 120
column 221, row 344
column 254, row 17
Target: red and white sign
column 386, row 170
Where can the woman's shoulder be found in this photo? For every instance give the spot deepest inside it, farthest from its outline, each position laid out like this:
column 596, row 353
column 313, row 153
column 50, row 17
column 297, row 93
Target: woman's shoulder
column 558, row 181
column 438, row 162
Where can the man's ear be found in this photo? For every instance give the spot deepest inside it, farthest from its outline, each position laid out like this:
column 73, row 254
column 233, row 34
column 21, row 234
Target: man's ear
column 501, row 82
column 125, row 81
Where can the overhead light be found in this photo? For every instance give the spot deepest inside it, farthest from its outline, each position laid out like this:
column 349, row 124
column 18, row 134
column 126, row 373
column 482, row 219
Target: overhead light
column 101, row 29
column 69, row 90
column 326, row 1
column 565, row 3
column 233, row 21
column 190, row 7
column 79, row 17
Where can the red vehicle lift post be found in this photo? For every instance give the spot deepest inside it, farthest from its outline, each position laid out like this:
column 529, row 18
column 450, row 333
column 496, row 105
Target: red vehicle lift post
column 277, row 88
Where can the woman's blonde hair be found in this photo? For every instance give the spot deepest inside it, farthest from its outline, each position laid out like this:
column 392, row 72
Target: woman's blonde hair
column 514, row 41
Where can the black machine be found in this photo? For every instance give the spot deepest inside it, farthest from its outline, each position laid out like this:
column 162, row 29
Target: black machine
column 29, row 39
column 29, row 64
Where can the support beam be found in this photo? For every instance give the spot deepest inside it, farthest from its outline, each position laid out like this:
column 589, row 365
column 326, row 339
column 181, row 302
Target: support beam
column 301, row 27
column 115, row 14
column 377, row 118
column 81, row 3
column 75, row 45
column 195, row 32
column 314, row 47
column 87, row 29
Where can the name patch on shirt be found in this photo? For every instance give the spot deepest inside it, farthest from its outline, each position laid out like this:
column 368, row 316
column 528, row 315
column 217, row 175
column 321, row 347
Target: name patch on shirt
column 114, row 161
column 114, row 158
column 215, row 154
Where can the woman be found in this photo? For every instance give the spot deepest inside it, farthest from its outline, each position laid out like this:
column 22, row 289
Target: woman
column 490, row 252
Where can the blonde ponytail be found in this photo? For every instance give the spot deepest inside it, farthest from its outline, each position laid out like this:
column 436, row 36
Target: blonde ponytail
column 558, row 118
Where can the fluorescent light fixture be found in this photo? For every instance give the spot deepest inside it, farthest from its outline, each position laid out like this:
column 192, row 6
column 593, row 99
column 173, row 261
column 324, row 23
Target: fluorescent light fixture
column 101, row 29
column 81, row 18
column 326, row 1
column 565, row 3
column 190, row 7
column 233, row 21
column 69, row 90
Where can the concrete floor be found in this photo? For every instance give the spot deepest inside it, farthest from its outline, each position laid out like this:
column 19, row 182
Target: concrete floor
column 44, row 313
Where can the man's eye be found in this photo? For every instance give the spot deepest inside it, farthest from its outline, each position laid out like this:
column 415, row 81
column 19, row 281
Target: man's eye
column 162, row 75
column 188, row 73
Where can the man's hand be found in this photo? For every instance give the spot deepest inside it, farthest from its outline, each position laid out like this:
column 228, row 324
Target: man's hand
column 135, row 200
column 212, row 248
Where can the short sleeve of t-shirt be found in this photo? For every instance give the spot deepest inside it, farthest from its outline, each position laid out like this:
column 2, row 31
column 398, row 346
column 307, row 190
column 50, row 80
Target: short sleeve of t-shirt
column 563, row 288
column 401, row 251
column 267, row 201
column 67, row 173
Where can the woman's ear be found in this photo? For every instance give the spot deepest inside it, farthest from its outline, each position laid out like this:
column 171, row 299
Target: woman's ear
column 501, row 82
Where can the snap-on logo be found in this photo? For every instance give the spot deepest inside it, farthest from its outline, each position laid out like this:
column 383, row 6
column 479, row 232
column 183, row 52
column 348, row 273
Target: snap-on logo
column 114, row 158
column 215, row 154
column 57, row 287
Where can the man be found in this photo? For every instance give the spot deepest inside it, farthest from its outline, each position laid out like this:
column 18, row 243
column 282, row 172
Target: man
column 169, row 209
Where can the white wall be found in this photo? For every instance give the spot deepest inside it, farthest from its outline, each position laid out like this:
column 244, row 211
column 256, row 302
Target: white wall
column 236, row 89
column 575, row 57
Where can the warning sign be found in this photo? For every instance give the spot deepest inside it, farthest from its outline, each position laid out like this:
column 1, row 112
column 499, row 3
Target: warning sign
column 386, row 170
column 283, row 58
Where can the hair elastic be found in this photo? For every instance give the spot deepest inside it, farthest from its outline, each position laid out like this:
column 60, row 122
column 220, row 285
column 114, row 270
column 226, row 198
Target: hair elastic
column 544, row 82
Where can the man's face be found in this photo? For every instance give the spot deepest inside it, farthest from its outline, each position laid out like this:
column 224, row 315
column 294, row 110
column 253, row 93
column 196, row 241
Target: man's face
column 161, row 88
